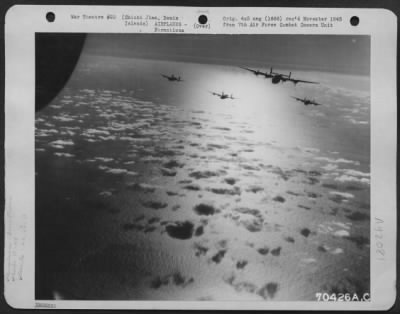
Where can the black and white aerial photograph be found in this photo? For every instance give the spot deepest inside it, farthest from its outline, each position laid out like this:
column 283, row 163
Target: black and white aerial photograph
column 188, row 167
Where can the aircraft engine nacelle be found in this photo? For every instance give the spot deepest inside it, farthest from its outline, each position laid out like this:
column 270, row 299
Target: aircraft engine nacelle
column 276, row 80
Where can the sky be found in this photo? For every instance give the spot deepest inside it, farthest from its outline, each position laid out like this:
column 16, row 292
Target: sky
column 331, row 53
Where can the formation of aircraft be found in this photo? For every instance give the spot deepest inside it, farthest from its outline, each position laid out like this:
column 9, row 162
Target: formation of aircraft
column 307, row 101
column 222, row 95
column 172, row 78
column 282, row 78
column 275, row 79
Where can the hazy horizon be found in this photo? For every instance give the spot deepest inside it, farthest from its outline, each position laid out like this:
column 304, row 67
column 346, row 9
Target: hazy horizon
column 331, row 53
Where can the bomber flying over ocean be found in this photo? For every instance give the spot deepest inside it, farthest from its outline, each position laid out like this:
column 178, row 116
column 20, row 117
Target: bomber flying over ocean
column 279, row 77
column 222, row 95
column 172, row 78
column 307, row 101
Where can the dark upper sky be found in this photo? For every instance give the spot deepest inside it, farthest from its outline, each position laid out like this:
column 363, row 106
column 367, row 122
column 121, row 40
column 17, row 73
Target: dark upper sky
column 333, row 53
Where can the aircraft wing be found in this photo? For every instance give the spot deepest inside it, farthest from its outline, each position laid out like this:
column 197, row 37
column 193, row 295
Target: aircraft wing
column 302, row 81
column 267, row 75
column 214, row 93
column 316, row 104
column 298, row 99
column 166, row 76
column 251, row 70
column 257, row 72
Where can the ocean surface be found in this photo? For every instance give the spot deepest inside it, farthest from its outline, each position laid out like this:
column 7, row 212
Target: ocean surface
column 148, row 189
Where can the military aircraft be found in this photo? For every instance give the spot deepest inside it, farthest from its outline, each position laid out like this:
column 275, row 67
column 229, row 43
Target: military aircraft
column 258, row 72
column 222, row 95
column 306, row 101
column 278, row 77
column 172, row 78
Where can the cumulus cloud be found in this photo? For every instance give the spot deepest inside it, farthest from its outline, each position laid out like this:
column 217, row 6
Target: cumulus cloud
column 339, row 160
column 64, row 155
column 61, row 143
column 342, row 194
column 346, row 178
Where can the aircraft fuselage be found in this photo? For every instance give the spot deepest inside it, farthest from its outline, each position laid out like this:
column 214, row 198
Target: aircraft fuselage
column 276, row 79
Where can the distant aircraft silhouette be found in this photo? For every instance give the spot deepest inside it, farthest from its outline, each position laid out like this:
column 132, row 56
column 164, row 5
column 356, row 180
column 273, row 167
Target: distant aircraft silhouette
column 222, row 95
column 172, row 78
column 306, row 101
